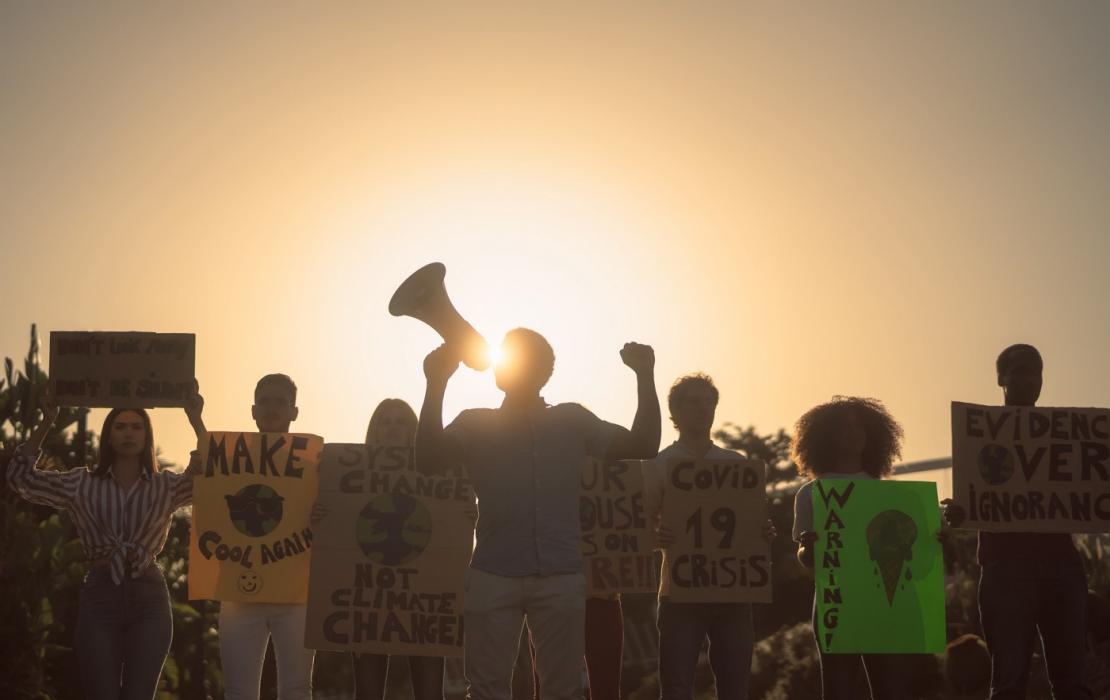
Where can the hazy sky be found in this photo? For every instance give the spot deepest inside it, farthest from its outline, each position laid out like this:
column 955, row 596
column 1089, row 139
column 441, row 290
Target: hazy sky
column 800, row 199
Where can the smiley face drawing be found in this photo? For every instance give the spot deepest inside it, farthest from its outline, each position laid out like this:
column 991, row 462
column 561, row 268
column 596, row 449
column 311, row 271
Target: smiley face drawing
column 250, row 583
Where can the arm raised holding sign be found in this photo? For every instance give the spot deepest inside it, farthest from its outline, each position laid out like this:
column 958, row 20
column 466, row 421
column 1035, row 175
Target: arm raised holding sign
column 124, row 502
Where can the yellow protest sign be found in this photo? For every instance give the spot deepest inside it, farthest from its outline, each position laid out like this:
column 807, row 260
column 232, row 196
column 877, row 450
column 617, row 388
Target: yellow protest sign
column 616, row 542
column 251, row 539
column 390, row 557
column 1026, row 469
column 716, row 510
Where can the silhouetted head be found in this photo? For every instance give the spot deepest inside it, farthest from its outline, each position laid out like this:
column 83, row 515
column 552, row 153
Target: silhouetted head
column 126, row 433
column 275, row 403
column 526, row 363
column 1020, row 374
column 393, row 423
column 692, row 402
column 847, row 430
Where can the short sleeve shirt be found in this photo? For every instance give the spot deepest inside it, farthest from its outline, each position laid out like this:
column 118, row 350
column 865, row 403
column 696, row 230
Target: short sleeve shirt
column 526, row 470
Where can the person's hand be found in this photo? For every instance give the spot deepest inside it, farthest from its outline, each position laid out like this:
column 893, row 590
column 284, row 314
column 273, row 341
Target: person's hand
column 193, row 467
column 641, row 358
column 664, row 536
column 805, row 548
column 319, row 512
column 769, row 531
column 49, row 406
column 441, row 363
column 953, row 514
column 194, row 405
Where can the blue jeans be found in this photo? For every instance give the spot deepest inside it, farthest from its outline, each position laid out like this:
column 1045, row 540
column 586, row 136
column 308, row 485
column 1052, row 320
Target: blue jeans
column 682, row 629
column 123, row 634
column 371, row 671
column 1018, row 600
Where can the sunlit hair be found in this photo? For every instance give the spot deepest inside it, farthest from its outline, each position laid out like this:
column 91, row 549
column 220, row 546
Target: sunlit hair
column 107, row 456
column 280, row 379
column 387, row 404
column 683, row 385
column 539, row 353
column 1011, row 355
column 814, row 446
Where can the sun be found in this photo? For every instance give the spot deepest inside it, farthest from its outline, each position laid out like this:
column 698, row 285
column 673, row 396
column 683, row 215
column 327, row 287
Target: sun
column 495, row 354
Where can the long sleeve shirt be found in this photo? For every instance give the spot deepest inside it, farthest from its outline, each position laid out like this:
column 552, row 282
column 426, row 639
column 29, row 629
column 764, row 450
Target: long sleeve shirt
column 129, row 527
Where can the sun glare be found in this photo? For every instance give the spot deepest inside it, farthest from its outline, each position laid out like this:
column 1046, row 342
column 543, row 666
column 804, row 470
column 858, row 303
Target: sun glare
column 495, row 354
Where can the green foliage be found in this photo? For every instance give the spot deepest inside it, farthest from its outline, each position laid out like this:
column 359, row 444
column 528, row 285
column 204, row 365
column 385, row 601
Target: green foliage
column 774, row 449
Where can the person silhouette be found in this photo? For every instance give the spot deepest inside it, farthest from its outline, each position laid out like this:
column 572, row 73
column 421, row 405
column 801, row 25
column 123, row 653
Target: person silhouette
column 1030, row 583
column 524, row 460
column 846, row 438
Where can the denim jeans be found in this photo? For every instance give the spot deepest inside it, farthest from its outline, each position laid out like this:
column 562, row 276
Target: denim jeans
column 371, row 671
column 1018, row 600
column 123, row 634
column 682, row 629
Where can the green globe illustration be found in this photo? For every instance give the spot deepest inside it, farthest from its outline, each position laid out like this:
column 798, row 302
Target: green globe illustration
column 255, row 510
column 393, row 529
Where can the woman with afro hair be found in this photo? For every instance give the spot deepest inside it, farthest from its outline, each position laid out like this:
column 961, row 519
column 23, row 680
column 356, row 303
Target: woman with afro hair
column 846, row 438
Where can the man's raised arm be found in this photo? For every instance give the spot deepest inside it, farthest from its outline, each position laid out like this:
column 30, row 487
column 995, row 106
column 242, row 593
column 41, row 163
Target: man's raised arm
column 642, row 442
column 434, row 449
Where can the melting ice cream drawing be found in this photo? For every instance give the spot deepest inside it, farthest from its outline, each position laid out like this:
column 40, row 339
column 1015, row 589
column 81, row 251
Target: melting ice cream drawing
column 890, row 538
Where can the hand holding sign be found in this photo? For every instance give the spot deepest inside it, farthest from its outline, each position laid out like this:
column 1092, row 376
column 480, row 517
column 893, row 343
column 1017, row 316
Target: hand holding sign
column 49, row 405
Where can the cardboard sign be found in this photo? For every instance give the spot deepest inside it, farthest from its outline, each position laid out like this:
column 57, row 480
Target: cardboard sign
column 390, row 559
column 878, row 567
column 251, row 540
column 616, row 541
column 1022, row 469
column 716, row 510
column 122, row 370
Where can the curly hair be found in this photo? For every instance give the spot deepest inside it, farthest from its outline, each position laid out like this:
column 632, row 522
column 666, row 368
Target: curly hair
column 814, row 445
column 683, row 384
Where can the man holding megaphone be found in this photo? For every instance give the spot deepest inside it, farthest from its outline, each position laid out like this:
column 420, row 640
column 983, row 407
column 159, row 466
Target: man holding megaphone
column 524, row 459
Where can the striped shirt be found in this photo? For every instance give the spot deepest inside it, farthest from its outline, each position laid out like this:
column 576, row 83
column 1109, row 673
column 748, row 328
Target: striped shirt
column 128, row 526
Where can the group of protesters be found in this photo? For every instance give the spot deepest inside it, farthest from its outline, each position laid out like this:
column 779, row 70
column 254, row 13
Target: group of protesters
column 523, row 459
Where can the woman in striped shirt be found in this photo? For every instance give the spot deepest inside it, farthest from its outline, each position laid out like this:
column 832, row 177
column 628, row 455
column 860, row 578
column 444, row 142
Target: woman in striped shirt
column 121, row 508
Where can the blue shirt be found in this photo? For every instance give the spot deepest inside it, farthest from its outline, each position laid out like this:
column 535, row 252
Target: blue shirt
column 526, row 469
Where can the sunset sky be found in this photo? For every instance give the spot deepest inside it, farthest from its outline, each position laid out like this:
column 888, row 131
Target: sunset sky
column 800, row 199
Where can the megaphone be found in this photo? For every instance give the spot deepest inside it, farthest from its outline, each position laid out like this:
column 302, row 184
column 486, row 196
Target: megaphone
column 424, row 297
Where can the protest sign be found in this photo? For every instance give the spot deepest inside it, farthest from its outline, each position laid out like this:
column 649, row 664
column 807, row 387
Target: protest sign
column 616, row 541
column 1026, row 469
column 122, row 370
column 716, row 510
column 390, row 559
column 251, row 540
column 878, row 567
